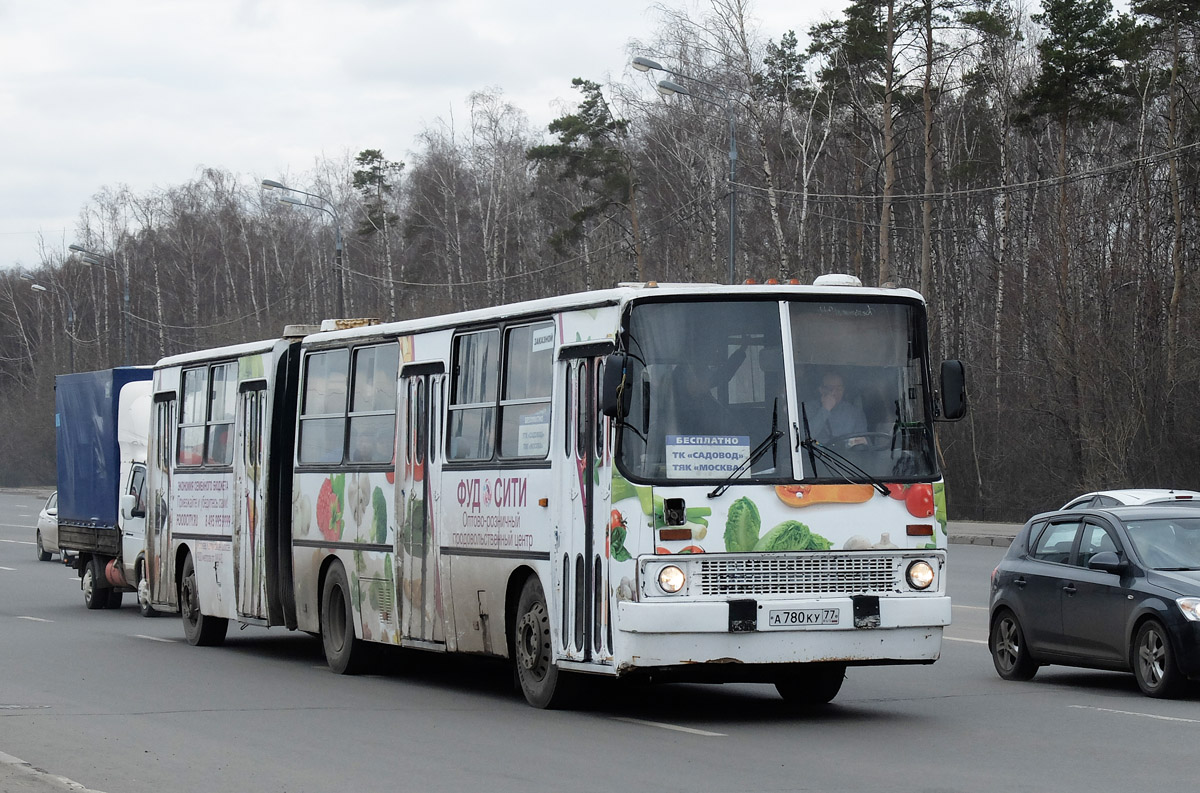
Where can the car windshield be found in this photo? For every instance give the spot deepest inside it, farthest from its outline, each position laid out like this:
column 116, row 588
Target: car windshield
column 1167, row 544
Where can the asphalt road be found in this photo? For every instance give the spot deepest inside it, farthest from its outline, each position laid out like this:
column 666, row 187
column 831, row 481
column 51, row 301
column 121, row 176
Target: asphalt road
column 121, row 704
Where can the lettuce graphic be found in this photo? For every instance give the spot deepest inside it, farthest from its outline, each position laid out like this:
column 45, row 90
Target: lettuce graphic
column 741, row 526
column 792, row 535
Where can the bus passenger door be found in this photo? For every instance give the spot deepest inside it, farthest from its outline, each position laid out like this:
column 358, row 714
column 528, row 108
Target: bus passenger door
column 158, row 531
column 250, row 506
column 421, row 613
column 581, row 565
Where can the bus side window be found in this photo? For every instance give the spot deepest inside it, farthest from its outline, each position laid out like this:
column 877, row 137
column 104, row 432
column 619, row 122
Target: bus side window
column 528, row 383
column 372, row 415
column 472, row 416
column 323, row 407
column 191, row 422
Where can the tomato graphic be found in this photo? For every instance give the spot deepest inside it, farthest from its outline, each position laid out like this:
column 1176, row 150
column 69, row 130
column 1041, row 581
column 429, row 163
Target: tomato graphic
column 898, row 492
column 616, row 534
column 920, row 501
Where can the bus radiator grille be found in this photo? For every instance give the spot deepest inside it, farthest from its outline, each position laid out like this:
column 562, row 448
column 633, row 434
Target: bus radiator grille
column 810, row 574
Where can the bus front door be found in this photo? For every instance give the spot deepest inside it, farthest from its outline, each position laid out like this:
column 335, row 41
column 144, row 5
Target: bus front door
column 581, row 569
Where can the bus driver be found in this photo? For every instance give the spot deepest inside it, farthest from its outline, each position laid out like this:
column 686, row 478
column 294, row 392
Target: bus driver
column 834, row 417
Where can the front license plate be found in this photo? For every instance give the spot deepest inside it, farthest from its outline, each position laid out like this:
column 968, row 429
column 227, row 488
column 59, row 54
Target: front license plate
column 801, row 618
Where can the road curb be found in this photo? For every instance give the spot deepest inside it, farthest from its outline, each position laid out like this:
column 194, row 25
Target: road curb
column 18, row 776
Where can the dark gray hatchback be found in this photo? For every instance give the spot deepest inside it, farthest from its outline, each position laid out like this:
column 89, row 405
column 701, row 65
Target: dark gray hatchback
column 1115, row 588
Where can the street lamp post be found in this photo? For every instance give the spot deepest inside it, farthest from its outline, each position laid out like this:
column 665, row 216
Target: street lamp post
column 36, row 287
column 326, row 206
column 98, row 260
column 66, row 298
column 667, row 88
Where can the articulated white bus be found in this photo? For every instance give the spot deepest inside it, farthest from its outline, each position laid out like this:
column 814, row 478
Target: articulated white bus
column 689, row 482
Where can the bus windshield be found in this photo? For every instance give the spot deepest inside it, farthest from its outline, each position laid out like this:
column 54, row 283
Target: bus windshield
column 735, row 388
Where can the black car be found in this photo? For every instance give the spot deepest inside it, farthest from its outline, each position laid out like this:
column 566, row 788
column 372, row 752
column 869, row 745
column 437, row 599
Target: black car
column 1115, row 588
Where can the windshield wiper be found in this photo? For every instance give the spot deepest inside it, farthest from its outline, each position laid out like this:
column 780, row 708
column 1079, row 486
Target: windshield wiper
column 758, row 452
column 834, row 461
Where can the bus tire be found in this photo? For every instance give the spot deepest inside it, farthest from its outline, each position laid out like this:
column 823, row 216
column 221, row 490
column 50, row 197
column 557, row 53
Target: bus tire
column 344, row 652
column 94, row 595
column 816, row 685
column 541, row 681
column 200, row 630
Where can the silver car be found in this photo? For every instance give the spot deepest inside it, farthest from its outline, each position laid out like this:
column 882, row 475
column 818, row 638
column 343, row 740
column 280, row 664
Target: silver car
column 47, row 529
column 1132, row 497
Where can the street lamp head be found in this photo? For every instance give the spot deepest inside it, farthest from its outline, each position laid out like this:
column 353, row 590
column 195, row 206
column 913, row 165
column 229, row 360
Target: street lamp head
column 77, row 248
column 645, row 65
column 287, row 199
column 37, row 288
column 271, row 184
column 667, row 88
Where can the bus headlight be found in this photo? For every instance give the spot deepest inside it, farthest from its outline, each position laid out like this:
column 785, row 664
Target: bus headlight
column 671, row 579
column 920, row 574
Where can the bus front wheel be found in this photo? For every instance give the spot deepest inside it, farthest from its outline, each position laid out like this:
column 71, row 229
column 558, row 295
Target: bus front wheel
column 201, row 630
column 816, row 685
column 343, row 652
column 543, row 685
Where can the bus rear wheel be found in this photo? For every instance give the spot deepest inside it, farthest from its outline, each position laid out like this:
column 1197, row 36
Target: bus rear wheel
column 816, row 685
column 200, row 629
column 543, row 685
column 344, row 653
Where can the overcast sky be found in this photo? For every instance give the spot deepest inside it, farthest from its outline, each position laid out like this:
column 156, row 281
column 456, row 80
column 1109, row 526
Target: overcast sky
column 144, row 93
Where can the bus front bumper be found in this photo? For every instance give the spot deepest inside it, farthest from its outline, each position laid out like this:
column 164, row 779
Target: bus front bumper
column 864, row 631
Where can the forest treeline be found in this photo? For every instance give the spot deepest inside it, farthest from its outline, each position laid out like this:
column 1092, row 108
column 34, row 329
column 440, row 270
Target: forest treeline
column 1033, row 174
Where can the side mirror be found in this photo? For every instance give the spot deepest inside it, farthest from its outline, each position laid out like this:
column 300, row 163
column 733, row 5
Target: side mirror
column 129, row 507
column 616, row 395
column 954, row 390
column 1108, row 562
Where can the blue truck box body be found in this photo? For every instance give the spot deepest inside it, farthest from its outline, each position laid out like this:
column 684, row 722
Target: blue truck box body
column 88, row 454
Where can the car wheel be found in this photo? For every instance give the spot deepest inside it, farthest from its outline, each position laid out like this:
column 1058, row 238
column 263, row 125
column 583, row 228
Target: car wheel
column 817, row 685
column 1010, row 654
column 42, row 554
column 201, row 630
column 543, row 685
column 1154, row 662
column 344, row 652
column 94, row 595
